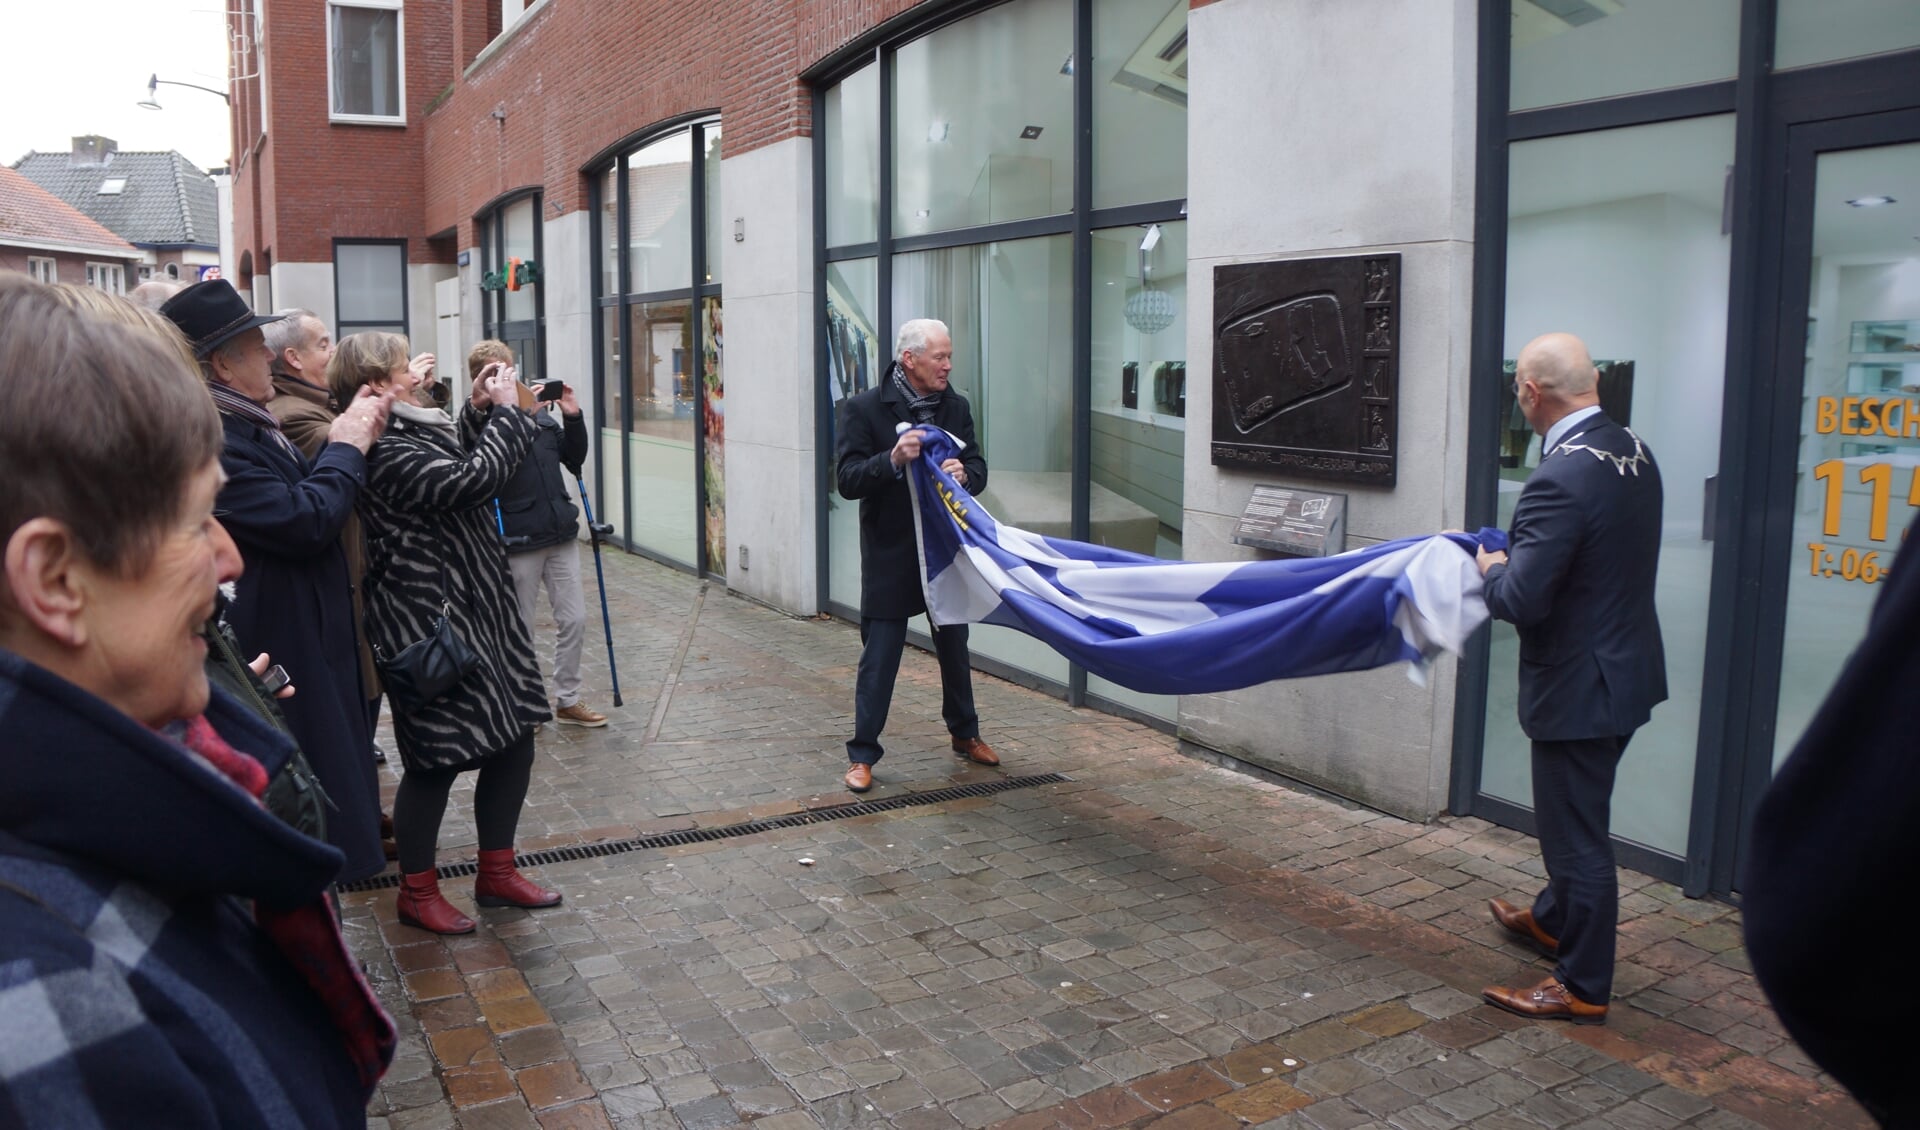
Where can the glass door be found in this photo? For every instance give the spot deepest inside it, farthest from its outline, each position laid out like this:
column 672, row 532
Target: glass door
column 1846, row 449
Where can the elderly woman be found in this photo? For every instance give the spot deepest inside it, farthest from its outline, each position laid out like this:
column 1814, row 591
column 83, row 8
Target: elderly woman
column 433, row 550
column 167, row 951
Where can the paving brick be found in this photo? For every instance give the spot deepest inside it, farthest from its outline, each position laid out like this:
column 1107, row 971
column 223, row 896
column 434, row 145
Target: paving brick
column 1209, row 927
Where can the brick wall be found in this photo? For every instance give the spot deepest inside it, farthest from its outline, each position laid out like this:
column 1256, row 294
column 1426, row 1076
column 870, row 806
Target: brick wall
column 573, row 79
column 69, row 267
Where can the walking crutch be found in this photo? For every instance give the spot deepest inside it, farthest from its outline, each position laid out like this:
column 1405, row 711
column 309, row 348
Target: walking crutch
column 596, row 531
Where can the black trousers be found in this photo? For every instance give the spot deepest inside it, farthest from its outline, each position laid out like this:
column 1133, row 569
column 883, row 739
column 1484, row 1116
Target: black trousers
column 1572, row 806
column 498, row 797
column 881, row 642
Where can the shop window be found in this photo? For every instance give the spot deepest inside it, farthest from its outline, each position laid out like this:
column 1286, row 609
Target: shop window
column 1824, row 31
column 982, row 135
column 1139, row 101
column 982, row 114
column 370, row 286
column 1576, row 50
column 366, row 71
column 659, row 237
column 1617, row 236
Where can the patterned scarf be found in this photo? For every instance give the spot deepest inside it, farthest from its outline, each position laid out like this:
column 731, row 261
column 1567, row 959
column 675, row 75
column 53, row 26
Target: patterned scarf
column 232, row 403
column 921, row 408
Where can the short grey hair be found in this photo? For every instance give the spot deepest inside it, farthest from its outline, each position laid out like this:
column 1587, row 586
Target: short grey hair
column 153, row 293
column 289, row 332
column 914, row 334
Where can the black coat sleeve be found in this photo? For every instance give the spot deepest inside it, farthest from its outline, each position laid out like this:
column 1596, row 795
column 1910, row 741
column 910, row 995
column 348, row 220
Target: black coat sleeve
column 862, row 462
column 299, row 520
column 971, row 457
column 573, row 442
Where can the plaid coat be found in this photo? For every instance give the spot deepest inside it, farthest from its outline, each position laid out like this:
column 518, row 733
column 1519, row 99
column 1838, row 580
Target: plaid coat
column 167, row 956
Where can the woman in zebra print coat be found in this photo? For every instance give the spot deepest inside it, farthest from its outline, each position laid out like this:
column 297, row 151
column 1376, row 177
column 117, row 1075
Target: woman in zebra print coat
column 431, row 541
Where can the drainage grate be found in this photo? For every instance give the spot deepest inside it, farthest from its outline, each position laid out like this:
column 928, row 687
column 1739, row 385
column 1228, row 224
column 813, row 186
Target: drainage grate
column 732, row 831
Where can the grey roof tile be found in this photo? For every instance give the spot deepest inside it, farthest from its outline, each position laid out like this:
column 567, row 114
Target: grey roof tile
column 167, row 199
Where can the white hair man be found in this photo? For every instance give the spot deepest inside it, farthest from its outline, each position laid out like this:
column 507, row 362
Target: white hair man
column 871, row 462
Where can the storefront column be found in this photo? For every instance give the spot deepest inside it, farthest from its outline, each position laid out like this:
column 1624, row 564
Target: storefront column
column 767, row 203
column 1329, row 130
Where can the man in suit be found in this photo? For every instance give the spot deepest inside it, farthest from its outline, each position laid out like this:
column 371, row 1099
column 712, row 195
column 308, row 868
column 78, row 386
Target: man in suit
column 872, row 456
column 1578, row 583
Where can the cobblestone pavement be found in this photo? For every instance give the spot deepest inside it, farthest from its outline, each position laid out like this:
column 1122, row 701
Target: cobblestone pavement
column 1155, row 941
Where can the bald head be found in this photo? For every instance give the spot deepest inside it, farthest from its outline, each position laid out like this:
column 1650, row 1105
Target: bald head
column 1554, row 376
column 1559, row 364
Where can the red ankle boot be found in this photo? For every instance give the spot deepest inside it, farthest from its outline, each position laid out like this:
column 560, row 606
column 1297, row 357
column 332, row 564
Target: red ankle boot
column 422, row 904
column 498, row 884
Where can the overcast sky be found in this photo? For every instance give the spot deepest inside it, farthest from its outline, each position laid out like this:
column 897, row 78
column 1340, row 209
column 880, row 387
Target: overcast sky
column 79, row 66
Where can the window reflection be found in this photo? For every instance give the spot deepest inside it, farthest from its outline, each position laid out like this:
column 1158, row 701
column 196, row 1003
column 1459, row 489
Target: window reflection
column 1017, row 380
column 983, row 120
column 1139, row 101
column 1575, row 50
column 1616, row 236
column 660, row 215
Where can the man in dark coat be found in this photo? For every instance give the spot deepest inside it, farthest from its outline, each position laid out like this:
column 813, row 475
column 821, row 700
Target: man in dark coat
column 1834, row 835
column 872, row 454
column 294, row 600
column 1578, row 582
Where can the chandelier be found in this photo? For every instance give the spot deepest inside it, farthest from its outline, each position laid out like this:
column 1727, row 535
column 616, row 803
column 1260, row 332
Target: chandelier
column 1149, row 310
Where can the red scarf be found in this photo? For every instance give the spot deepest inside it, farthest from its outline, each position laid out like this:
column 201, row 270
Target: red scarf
column 309, row 936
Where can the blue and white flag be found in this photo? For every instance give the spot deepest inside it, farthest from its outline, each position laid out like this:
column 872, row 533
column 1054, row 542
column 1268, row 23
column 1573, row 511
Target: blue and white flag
column 1180, row 627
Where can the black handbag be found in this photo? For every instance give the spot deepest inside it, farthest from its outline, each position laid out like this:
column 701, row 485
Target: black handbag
column 428, row 667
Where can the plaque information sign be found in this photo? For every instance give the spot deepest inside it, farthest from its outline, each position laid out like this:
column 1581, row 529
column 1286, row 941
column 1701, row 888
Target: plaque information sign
column 1298, row 522
column 1306, row 367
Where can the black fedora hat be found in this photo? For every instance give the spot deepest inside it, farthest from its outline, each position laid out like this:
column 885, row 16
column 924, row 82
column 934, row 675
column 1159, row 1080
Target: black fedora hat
column 212, row 312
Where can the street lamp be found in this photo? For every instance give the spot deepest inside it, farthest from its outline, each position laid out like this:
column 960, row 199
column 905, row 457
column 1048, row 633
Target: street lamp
column 156, row 82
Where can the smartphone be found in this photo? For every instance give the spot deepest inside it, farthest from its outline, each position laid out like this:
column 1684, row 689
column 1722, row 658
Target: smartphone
column 551, row 390
column 274, row 680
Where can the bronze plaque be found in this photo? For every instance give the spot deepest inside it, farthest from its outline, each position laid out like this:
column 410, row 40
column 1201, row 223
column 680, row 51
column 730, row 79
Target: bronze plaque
column 1306, row 367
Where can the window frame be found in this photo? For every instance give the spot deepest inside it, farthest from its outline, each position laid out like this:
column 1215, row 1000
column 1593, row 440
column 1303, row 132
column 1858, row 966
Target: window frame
column 342, row 327
column 1079, row 222
column 43, row 268
column 490, row 222
column 613, row 160
column 97, row 270
column 398, row 7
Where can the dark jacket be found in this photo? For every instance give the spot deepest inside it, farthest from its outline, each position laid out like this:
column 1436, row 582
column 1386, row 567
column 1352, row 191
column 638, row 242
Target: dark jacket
column 1579, row 584
column 1833, row 842
column 295, row 601
column 889, row 559
column 431, row 539
column 306, row 415
column 129, row 874
column 535, row 508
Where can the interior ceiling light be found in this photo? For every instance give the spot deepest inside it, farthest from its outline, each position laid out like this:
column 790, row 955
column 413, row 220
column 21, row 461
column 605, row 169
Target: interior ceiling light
column 1030, row 133
column 1871, row 201
column 937, row 131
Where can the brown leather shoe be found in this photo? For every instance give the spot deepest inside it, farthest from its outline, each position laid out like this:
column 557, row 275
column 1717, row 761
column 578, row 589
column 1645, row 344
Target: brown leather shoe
column 974, row 750
column 1549, row 1000
column 1521, row 924
column 580, row 714
column 859, row 777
